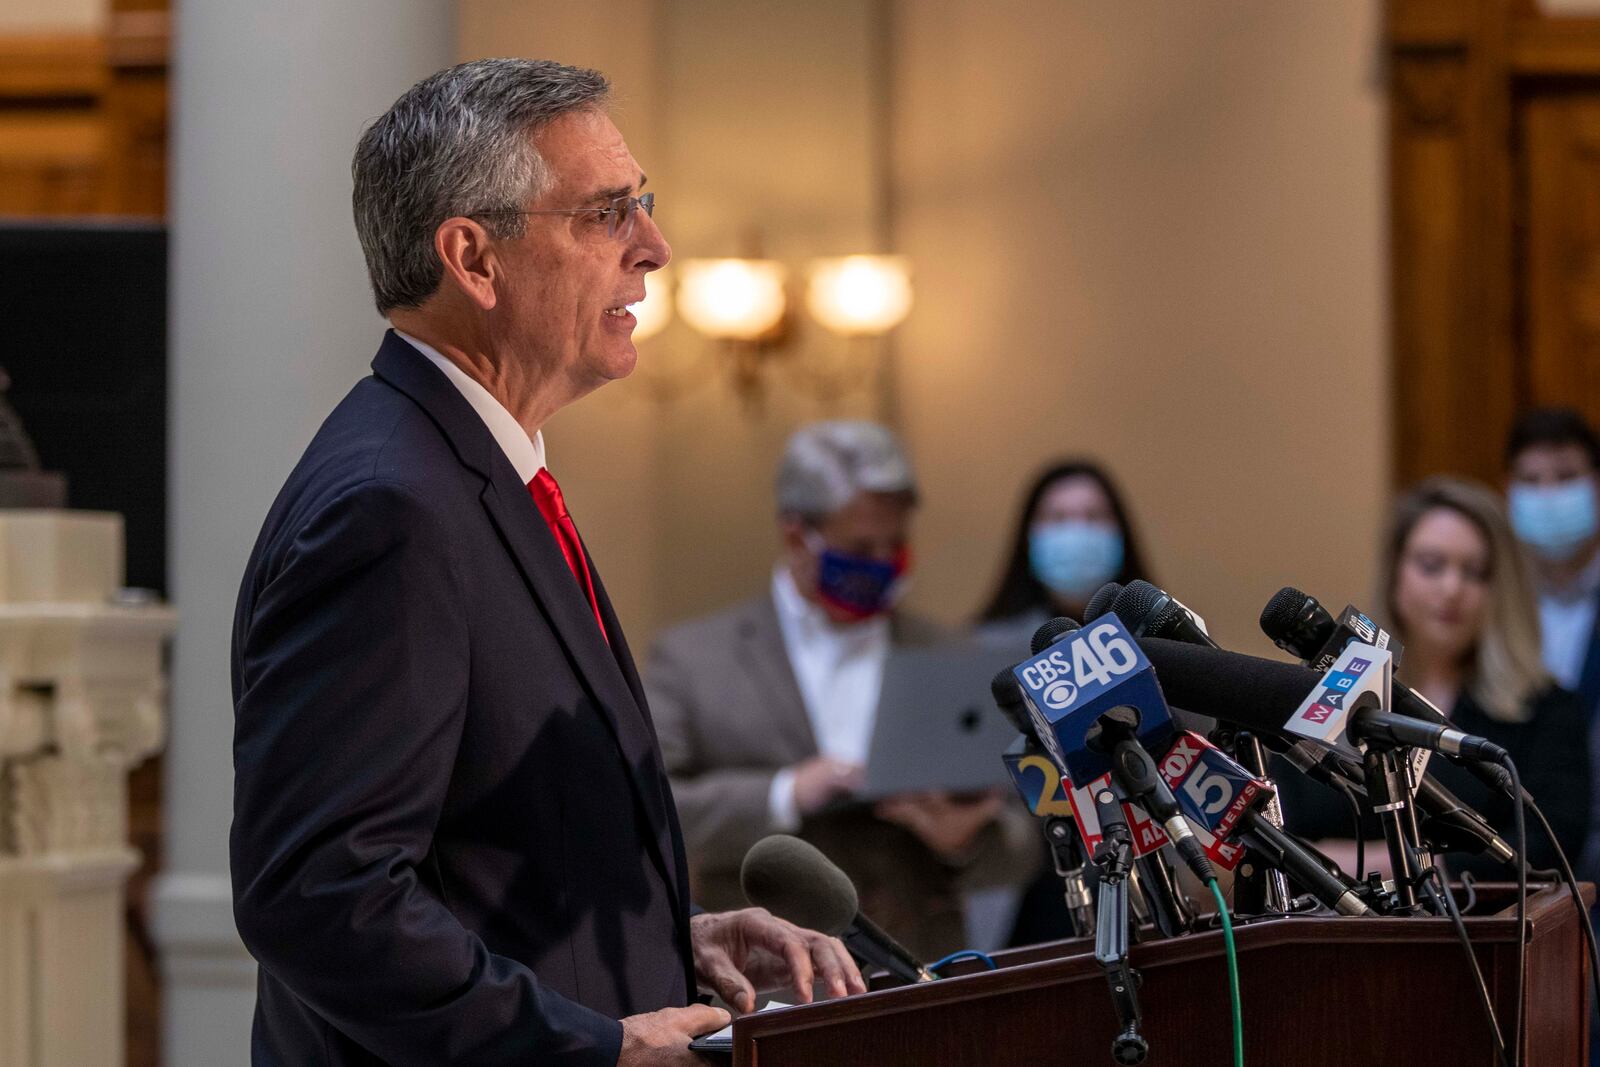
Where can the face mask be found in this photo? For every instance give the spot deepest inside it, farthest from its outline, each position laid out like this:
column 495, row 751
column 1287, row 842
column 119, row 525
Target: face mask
column 1074, row 559
column 1554, row 520
column 859, row 586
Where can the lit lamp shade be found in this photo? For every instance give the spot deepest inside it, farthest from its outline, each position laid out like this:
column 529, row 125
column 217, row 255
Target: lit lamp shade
column 736, row 299
column 860, row 295
column 655, row 310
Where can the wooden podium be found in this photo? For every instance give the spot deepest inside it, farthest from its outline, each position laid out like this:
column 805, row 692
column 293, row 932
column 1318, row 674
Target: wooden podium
column 1317, row 992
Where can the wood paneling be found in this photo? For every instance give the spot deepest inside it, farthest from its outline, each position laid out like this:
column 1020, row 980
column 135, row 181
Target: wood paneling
column 83, row 120
column 1494, row 225
column 1561, row 160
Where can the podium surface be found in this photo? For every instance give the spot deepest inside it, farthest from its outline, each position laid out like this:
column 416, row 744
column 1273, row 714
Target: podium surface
column 1317, row 992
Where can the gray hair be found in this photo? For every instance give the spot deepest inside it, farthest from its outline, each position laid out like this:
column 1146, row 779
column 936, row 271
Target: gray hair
column 825, row 464
column 456, row 143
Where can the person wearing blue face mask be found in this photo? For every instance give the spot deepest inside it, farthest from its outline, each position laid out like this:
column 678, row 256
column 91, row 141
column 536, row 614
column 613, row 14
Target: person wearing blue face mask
column 765, row 710
column 1072, row 535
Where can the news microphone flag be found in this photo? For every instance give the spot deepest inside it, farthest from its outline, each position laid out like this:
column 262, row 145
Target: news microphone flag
column 1092, row 671
column 1212, row 791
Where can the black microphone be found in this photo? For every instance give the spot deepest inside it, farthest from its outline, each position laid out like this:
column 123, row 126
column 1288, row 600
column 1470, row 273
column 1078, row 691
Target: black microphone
column 1150, row 611
column 1302, row 627
column 1100, row 603
column 1263, row 694
column 792, row 879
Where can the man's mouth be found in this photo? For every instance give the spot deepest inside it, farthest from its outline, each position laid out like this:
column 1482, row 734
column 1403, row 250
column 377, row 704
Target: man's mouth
column 617, row 312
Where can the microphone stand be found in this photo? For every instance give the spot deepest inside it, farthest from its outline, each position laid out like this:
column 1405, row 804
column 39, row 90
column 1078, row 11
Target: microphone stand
column 1389, row 791
column 1260, row 888
column 1114, row 861
column 1067, row 855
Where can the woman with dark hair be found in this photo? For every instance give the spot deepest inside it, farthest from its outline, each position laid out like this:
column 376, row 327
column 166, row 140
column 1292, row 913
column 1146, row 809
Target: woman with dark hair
column 1072, row 536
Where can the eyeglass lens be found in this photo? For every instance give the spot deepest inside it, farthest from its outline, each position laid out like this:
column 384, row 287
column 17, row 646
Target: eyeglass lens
column 622, row 212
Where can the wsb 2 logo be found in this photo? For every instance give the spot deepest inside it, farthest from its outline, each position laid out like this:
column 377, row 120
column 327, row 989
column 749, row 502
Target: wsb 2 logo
column 1094, row 656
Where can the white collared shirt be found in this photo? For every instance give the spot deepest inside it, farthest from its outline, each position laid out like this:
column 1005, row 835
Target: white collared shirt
column 1566, row 622
column 525, row 453
column 839, row 669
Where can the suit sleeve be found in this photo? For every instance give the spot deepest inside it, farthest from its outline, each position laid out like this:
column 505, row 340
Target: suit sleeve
column 723, row 810
column 350, row 698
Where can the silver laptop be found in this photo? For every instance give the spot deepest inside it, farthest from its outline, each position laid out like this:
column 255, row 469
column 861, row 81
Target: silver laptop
column 937, row 726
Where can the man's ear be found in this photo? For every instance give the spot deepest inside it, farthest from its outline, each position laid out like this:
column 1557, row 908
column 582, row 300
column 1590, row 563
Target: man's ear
column 464, row 249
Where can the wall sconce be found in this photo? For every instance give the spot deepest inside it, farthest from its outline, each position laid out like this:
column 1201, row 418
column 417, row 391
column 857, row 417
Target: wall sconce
column 859, row 296
column 733, row 299
column 743, row 304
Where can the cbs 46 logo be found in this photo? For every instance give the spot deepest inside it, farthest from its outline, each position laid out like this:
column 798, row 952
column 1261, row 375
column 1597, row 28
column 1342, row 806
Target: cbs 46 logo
column 1092, row 656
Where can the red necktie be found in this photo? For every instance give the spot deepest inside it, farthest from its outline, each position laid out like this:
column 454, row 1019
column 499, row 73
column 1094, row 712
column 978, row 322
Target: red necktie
column 547, row 495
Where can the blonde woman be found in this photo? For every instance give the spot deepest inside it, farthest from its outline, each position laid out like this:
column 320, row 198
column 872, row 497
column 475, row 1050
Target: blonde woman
column 1458, row 595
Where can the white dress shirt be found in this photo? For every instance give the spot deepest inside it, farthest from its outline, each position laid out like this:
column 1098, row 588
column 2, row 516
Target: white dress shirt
column 1566, row 622
column 525, row 453
column 839, row 669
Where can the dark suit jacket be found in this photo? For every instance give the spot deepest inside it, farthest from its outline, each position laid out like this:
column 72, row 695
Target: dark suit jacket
column 731, row 715
column 453, row 839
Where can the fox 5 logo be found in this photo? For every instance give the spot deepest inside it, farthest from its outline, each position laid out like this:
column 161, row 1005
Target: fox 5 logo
column 1090, row 658
column 1211, row 788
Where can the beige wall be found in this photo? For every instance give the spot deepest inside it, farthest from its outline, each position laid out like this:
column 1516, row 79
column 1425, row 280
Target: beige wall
column 1149, row 231
column 1152, row 232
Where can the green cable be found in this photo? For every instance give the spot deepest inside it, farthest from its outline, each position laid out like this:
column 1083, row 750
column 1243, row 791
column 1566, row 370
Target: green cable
column 1233, row 975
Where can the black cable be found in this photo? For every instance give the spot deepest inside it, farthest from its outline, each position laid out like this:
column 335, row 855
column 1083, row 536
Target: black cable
column 1443, row 896
column 1361, row 841
column 1586, row 925
column 1470, row 884
column 1522, row 900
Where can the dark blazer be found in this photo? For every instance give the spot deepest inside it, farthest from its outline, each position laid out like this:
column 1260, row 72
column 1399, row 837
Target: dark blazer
column 453, row 839
column 1551, row 756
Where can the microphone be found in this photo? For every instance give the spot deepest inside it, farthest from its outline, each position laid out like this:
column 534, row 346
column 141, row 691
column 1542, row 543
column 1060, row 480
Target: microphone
column 1254, row 692
column 1062, row 830
column 792, row 879
column 1089, row 673
column 1302, row 627
column 1100, row 603
column 1153, row 612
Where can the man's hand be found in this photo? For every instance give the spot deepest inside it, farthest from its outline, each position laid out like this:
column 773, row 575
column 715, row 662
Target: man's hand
column 947, row 823
column 661, row 1038
column 820, row 780
column 738, row 954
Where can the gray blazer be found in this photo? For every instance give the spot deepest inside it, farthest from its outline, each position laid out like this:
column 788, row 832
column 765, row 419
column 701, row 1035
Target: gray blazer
column 729, row 715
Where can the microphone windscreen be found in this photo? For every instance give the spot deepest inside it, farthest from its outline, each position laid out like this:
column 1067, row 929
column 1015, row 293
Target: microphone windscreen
column 1051, row 632
column 1135, row 603
column 1256, row 693
column 1100, row 603
column 792, row 879
column 1282, row 612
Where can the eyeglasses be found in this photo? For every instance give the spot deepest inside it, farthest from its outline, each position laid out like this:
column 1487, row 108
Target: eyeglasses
column 618, row 213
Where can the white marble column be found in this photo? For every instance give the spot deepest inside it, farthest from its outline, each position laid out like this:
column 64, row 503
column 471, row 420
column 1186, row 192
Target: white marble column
column 272, row 321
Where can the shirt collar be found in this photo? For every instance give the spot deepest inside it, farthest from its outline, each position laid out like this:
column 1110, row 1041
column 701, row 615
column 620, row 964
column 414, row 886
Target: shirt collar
column 525, row 453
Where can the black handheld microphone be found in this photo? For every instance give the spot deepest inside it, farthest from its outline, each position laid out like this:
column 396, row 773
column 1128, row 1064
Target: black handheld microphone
column 792, row 879
column 1302, row 627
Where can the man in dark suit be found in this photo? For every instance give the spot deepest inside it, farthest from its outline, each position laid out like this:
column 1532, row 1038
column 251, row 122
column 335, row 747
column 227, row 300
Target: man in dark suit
column 453, row 839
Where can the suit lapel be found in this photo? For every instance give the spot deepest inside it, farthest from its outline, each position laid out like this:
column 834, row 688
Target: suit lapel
column 550, row 580
column 764, row 651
